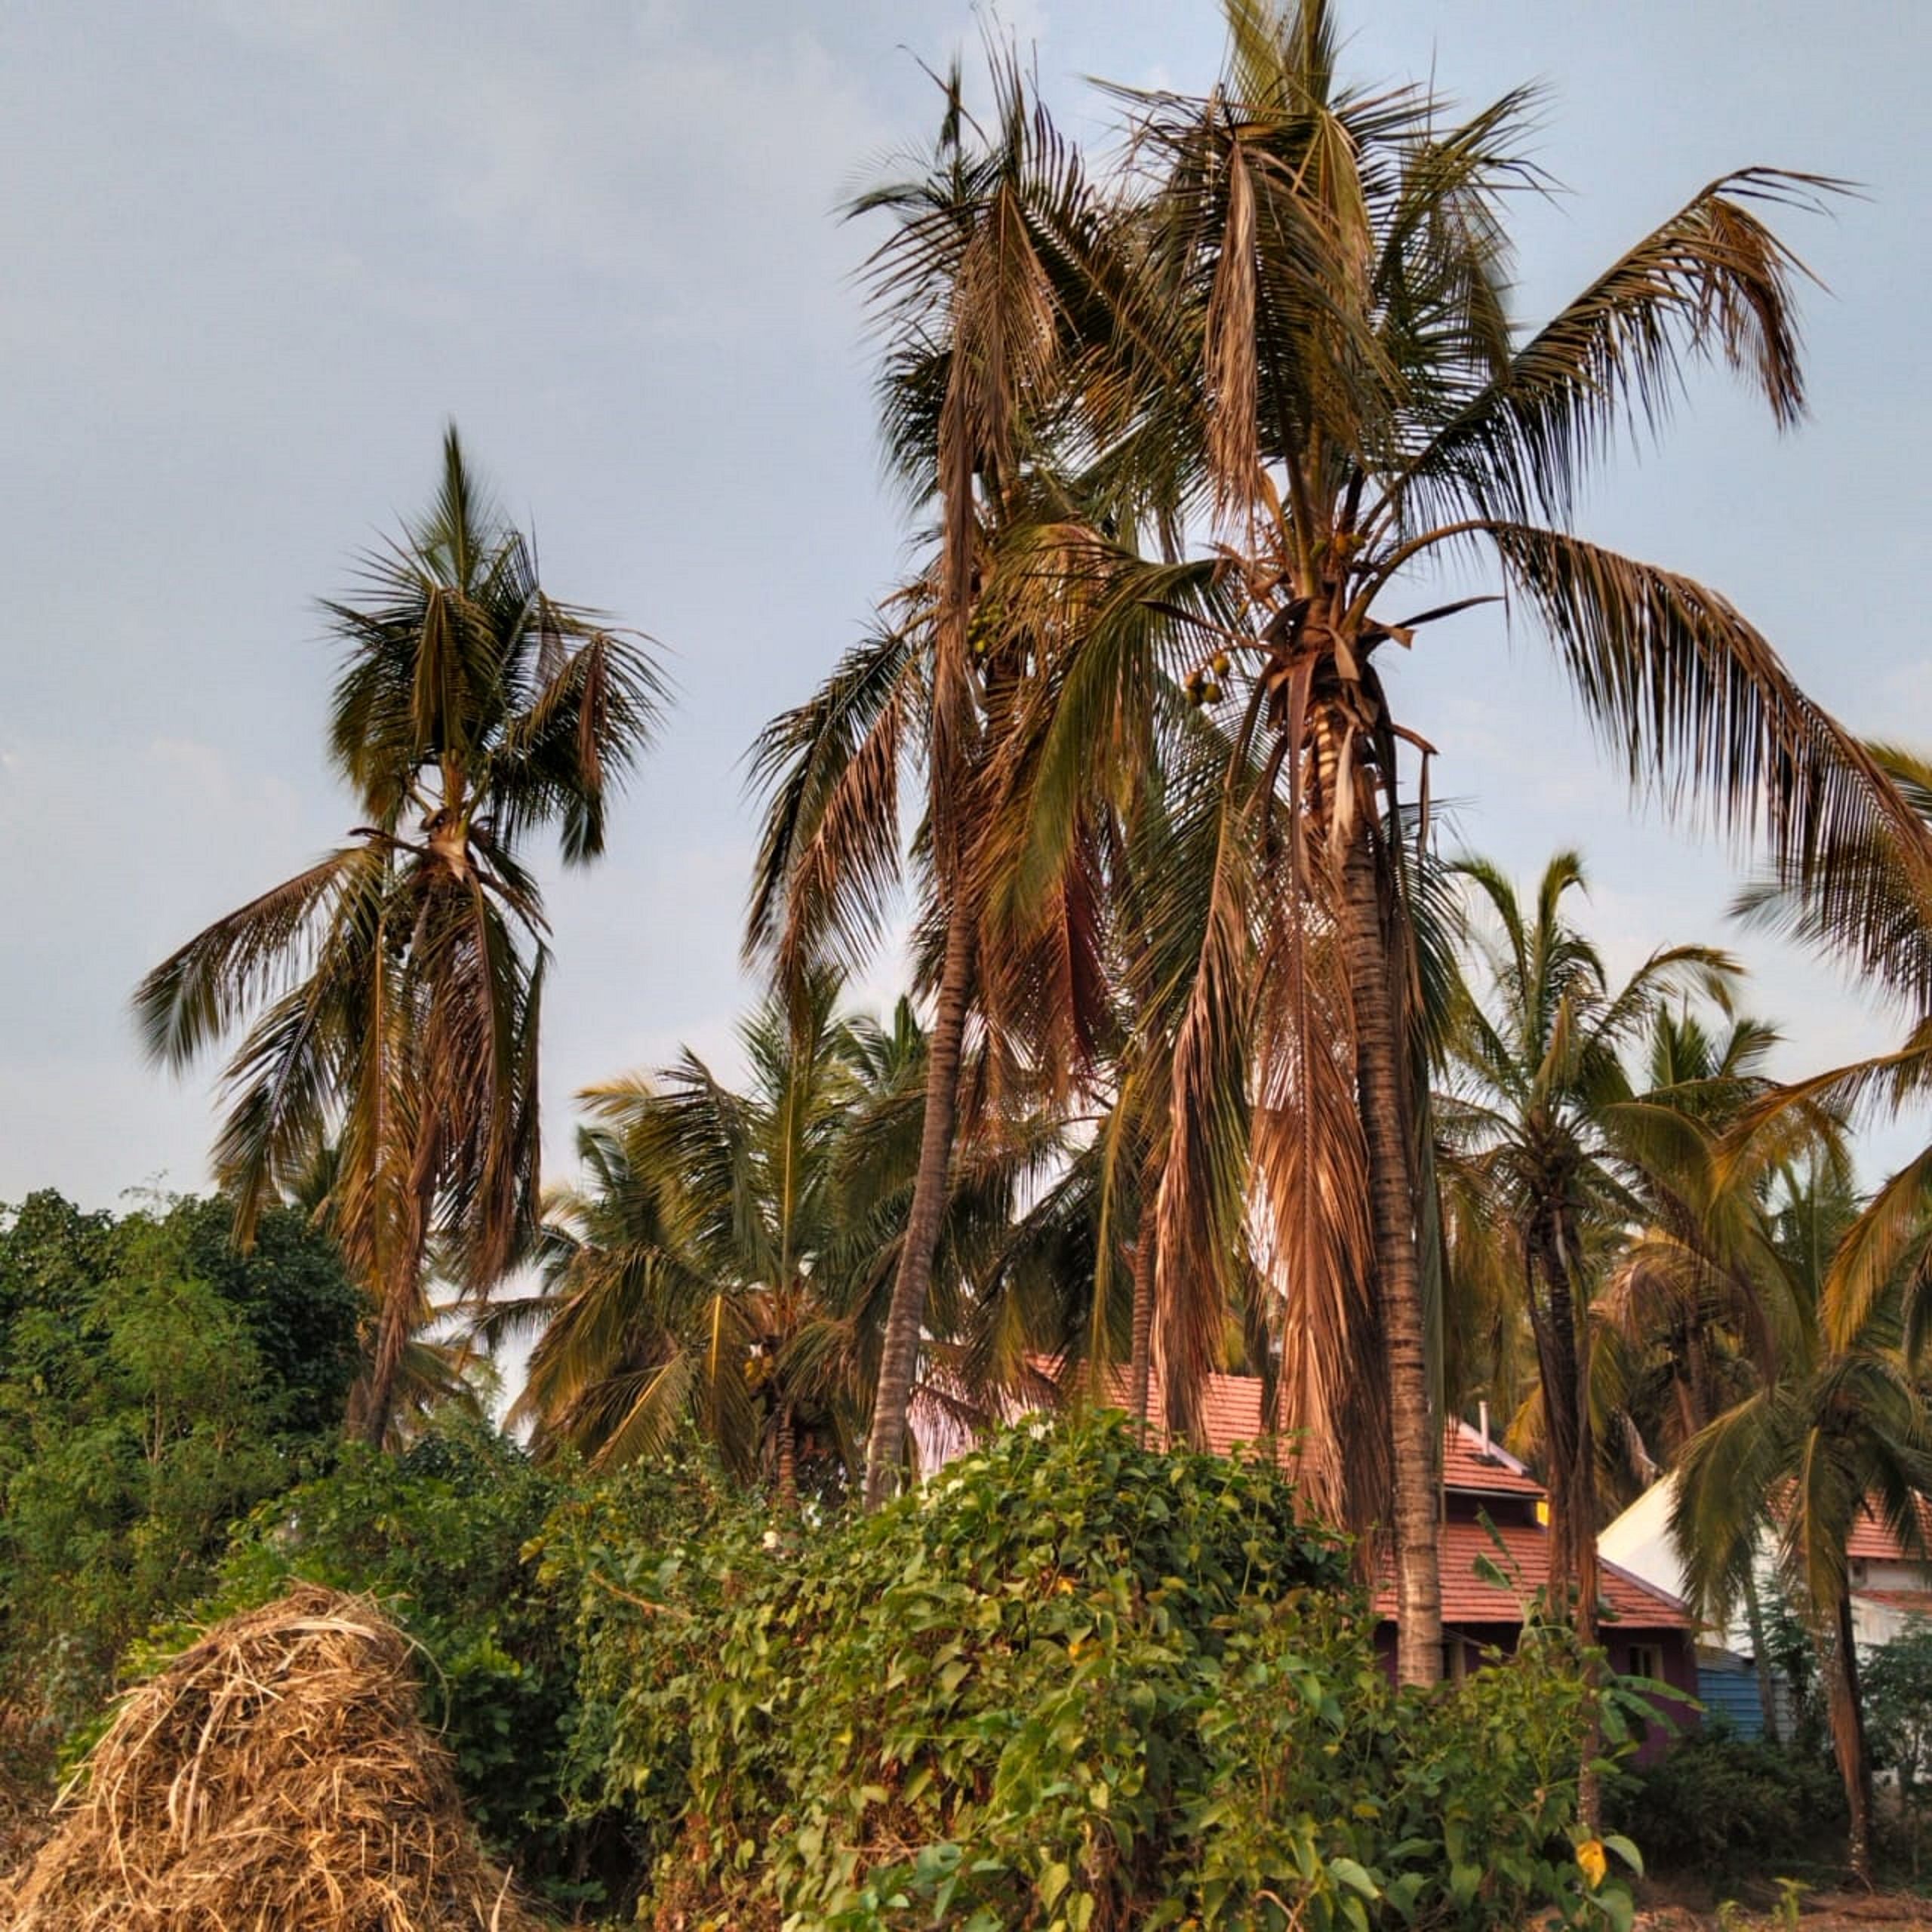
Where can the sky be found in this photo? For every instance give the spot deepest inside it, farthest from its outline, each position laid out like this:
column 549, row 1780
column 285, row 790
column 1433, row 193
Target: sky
column 256, row 253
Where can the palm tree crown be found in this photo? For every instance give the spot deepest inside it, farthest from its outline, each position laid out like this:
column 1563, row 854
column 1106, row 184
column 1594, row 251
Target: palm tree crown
column 392, row 993
column 1316, row 357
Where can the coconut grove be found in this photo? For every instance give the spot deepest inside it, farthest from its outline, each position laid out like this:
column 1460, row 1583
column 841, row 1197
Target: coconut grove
column 1281, row 1381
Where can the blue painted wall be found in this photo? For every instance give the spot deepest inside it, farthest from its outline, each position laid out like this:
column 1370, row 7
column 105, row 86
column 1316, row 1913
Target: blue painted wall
column 1733, row 1693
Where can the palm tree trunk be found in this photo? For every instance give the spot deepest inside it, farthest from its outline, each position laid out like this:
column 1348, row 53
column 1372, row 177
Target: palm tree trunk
column 1553, row 1322
column 1583, row 1557
column 1140, row 1361
column 1380, row 1078
column 788, row 1461
column 905, row 1318
column 372, row 1407
column 1848, row 1738
column 1563, row 1365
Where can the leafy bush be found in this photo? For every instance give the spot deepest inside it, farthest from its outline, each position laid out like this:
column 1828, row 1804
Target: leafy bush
column 154, row 1385
column 1896, row 1681
column 1071, row 1682
column 438, row 1535
column 1730, row 1806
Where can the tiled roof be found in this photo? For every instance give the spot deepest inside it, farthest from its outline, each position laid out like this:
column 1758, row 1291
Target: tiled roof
column 1467, row 1465
column 1230, row 1414
column 1468, row 1597
column 1872, row 1537
column 1230, row 1404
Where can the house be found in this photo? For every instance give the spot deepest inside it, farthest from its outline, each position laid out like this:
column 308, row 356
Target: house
column 1495, row 1516
column 1890, row 1586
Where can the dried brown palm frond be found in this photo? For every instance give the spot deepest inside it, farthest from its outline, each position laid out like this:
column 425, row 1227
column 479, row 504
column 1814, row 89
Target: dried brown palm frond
column 274, row 1777
column 1309, row 1191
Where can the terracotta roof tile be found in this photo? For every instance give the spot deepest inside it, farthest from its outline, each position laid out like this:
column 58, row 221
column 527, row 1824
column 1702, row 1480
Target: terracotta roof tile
column 1468, row 1597
column 1872, row 1537
column 1466, row 1465
column 1230, row 1414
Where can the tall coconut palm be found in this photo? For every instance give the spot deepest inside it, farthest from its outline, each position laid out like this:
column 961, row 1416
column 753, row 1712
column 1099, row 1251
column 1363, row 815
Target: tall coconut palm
column 979, row 290
column 1841, row 1428
column 1685, row 1330
column 390, row 994
column 1678, row 1302
column 1343, row 390
column 1537, row 1075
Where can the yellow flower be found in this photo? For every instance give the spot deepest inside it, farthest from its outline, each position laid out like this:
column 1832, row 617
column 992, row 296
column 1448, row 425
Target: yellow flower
column 1590, row 1858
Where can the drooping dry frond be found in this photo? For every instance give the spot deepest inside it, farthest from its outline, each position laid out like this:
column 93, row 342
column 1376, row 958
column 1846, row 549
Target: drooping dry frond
column 1203, row 1183
column 199, row 991
column 1309, row 1189
column 831, row 853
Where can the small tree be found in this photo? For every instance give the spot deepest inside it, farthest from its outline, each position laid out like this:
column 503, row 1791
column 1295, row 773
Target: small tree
column 1897, row 1681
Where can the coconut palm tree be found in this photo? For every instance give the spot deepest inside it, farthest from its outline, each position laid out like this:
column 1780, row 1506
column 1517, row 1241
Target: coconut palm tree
column 1537, row 1076
column 1683, row 1331
column 1679, row 1318
column 693, row 1275
column 1842, row 1428
column 726, row 1261
column 1342, row 392
column 981, row 290
column 390, row 994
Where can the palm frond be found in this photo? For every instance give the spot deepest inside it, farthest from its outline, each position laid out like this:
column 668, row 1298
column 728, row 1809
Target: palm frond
column 1704, row 716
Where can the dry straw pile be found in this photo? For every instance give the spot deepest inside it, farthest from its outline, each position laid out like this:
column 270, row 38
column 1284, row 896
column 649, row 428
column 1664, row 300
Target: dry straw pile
column 274, row 1778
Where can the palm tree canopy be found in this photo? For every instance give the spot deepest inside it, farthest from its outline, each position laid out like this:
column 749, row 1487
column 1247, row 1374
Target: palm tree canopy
column 390, row 994
column 1838, row 1428
column 725, row 1260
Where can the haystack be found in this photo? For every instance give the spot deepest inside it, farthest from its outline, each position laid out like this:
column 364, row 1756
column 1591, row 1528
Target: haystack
column 274, row 1778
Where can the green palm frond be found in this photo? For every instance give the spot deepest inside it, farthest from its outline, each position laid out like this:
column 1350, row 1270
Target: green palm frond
column 1713, row 282
column 1699, row 706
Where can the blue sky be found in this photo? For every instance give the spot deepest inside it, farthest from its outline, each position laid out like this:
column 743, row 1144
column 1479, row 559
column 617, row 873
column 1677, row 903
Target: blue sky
column 257, row 251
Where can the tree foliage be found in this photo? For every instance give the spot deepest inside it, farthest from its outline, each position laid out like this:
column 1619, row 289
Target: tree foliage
column 389, row 997
column 1073, row 1682
column 155, row 1385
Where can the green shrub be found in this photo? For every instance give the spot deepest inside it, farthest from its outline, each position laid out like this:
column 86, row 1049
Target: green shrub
column 1895, row 1680
column 438, row 1535
column 1730, row 1806
column 1070, row 1683
column 155, row 1386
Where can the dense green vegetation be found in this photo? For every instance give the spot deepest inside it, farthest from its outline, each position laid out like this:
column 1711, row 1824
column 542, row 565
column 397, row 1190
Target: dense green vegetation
column 1152, row 1691
column 155, row 1385
column 1077, row 1682
column 1723, row 1808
